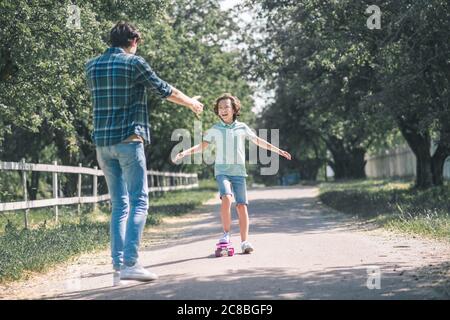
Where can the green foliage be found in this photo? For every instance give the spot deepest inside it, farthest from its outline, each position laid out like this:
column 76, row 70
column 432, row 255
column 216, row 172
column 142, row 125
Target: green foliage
column 343, row 87
column 44, row 92
column 393, row 204
column 45, row 107
column 324, row 70
column 10, row 187
column 187, row 50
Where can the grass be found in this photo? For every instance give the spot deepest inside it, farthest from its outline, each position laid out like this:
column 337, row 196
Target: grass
column 45, row 217
column 179, row 202
column 46, row 243
column 393, row 204
column 22, row 251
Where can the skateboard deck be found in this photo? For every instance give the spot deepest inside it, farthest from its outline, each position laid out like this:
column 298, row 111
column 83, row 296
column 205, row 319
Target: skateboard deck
column 224, row 249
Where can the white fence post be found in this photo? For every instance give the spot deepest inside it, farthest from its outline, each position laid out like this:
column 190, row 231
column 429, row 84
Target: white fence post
column 25, row 194
column 94, row 188
column 79, row 192
column 159, row 184
column 55, row 190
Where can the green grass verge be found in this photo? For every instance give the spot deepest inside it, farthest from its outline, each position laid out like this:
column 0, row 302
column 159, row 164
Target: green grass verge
column 46, row 243
column 393, row 205
column 36, row 250
column 179, row 202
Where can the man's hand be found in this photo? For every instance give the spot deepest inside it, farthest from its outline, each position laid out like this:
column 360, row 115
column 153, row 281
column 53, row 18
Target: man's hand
column 178, row 157
column 196, row 106
column 180, row 98
column 285, row 154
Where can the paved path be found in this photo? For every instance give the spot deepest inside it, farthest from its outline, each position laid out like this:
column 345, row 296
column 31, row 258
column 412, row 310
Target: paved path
column 303, row 250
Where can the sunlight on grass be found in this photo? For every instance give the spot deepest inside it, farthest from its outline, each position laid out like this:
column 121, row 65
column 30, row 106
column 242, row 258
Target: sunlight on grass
column 395, row 205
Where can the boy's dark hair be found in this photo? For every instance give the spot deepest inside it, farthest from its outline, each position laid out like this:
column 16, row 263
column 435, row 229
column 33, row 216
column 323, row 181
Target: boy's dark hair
column 234, row 102
column 122, row 33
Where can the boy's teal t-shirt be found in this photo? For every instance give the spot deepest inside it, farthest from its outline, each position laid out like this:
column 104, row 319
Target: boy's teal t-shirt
column 229, row 140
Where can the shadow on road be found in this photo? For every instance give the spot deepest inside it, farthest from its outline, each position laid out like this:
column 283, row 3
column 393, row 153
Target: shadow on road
column 286, row 216
column 278, row 283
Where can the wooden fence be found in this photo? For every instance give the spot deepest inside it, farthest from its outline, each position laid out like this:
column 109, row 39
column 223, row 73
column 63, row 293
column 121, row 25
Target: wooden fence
column 158, row 182
column 398, row 162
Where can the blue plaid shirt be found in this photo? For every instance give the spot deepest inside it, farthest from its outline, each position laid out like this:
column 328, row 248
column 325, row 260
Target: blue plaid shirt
column 117, row 81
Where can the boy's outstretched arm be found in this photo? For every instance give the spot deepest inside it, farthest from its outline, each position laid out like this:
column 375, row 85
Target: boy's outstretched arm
column 266, row 145
column 197, row 148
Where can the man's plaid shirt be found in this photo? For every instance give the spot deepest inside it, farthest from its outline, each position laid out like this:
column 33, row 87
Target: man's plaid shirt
column 117, row 81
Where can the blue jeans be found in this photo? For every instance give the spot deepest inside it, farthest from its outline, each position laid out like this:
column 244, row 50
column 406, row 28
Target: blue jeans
column 233, row 185
column 125, row 170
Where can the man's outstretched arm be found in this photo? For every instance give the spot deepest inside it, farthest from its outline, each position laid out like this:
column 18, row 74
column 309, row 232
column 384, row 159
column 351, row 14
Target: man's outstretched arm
column 146, row 76
column 180, row 98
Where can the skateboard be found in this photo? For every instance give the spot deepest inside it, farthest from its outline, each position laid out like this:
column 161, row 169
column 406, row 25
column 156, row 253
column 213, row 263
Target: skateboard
column 224, row 249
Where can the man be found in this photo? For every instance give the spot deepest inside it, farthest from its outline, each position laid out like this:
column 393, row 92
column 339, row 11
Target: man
column 118, row 80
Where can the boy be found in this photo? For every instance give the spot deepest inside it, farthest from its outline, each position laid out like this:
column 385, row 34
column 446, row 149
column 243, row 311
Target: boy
column 229, row 167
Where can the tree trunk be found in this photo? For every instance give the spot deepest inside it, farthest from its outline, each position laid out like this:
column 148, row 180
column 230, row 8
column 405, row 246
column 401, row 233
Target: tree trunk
column 347, row 164
column 33, row 185
column 420, row 144
column 424, row 178
column 437, row 165
column 309, row 168
column 357, row 164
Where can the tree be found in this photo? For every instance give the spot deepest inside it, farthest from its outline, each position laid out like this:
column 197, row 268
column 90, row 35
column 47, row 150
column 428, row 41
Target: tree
column 44, row 101
column 415, row 78
column 353, row 84
column 323, row 63
column 187, row 50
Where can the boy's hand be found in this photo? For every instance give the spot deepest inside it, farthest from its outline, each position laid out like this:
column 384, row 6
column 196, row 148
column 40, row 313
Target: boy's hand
column 196, row 106
column 285, row 154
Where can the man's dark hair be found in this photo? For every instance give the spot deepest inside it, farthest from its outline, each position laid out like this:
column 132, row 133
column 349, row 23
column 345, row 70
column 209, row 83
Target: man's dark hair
column 122, row 33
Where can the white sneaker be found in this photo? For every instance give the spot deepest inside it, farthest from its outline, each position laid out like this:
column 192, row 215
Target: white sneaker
column 136, row 272
column 116, row 279
column 225, row 238
column 246, row 247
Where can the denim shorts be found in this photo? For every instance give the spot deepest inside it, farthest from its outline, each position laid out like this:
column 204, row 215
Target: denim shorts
column 234, row 186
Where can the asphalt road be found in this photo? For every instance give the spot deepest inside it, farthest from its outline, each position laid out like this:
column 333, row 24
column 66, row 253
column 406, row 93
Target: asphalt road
column 303, row 250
